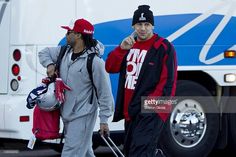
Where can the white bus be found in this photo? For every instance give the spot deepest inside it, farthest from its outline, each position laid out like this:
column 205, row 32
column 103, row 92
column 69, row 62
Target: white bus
column 202, row 31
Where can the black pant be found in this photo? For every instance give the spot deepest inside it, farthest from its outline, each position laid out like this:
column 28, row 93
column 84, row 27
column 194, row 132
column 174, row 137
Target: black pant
column 142, row 135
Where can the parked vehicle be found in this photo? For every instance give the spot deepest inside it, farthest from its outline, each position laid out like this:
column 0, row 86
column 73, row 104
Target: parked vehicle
column 203, row 33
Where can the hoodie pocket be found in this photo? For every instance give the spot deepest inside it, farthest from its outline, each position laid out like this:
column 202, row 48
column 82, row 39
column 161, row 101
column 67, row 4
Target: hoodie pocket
column 83, row 108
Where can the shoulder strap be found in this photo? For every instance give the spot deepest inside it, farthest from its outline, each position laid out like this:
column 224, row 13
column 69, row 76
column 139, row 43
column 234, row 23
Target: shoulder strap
column 90, row 72
column 61, row 54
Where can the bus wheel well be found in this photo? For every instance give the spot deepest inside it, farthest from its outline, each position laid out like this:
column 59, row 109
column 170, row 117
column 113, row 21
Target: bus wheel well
column 206, row 80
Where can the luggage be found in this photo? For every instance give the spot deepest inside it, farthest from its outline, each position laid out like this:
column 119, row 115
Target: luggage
column 159, row 153
column 110, row 143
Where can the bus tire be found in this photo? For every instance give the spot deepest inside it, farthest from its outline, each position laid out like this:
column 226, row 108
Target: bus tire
column 232, row 123
column 232, row 132
column 191, row 135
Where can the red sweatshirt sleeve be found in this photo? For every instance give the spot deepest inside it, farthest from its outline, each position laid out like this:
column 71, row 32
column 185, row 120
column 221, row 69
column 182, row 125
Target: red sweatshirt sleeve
column 114, row 60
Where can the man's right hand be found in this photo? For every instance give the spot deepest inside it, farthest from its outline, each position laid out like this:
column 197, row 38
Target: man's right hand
column 51, row 70
column 127, row 43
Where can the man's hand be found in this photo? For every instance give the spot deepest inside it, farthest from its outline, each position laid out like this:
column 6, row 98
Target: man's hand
column 60, row 87
column 51, row 70
column 47, row 80
column 104, row 129
column 128, row 42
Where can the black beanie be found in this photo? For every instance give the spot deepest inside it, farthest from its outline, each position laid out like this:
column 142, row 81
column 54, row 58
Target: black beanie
column 143, row 14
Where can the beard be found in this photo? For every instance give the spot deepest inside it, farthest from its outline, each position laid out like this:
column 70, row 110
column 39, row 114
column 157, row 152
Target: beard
column 71, row 42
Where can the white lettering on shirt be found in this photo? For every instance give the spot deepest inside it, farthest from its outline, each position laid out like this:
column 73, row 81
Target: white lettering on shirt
column 135, row 61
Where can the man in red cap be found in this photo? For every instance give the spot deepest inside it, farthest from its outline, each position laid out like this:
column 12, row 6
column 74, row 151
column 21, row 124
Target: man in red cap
column 79, row 111
column 147, row 66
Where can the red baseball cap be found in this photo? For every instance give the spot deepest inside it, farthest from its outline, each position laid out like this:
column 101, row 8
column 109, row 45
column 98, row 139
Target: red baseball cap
column 81, row 26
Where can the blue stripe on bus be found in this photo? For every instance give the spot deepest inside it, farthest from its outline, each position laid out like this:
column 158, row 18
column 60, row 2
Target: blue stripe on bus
column 188, row 46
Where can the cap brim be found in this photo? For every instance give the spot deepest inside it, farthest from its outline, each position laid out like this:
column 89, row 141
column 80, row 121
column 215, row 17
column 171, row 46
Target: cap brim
column 66, row 27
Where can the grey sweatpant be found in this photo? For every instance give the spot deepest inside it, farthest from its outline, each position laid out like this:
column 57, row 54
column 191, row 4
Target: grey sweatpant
column 78, row 137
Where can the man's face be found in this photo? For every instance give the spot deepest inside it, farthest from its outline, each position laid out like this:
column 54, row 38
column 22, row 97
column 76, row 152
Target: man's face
column 144, row 30
column 71, row 37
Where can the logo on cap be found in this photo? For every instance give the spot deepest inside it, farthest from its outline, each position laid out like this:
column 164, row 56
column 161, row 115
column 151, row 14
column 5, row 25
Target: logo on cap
column 88, row 31
column 142, row 18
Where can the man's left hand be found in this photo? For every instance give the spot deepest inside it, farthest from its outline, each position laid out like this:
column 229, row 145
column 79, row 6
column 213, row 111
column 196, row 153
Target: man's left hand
column 104, row 129
column 60, row 87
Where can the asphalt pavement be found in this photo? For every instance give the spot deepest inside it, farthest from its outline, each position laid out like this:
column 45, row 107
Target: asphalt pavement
column 44, row 151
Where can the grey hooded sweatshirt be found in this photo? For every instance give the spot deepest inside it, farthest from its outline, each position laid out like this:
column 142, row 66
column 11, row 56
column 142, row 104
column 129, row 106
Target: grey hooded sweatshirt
column 75, row 75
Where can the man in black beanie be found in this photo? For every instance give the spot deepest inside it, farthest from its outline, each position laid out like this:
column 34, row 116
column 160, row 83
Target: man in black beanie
column 148, row 68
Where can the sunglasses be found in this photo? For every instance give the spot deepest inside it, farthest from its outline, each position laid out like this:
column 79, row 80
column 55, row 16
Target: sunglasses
column 69, row 32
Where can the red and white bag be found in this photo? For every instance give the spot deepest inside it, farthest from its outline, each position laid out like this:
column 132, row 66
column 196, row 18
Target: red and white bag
column 46, row 125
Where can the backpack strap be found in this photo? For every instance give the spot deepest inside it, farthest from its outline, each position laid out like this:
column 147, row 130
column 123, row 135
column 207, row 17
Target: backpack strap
column 61, row 54
column 90, row 72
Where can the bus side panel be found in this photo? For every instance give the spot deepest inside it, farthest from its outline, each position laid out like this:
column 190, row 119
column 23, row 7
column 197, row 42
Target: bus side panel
column 4, row 45
column 1, row 116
